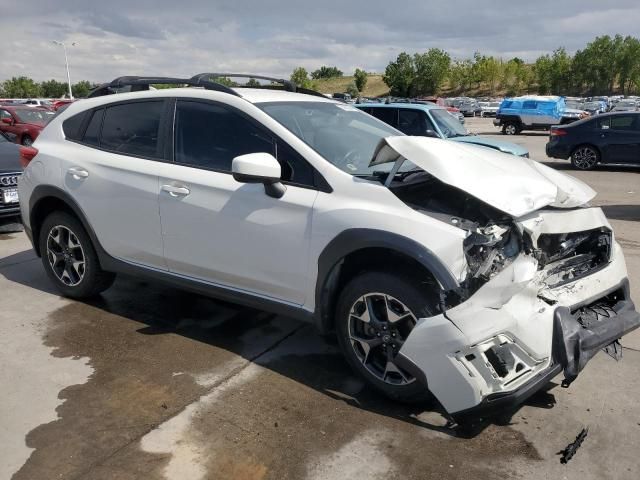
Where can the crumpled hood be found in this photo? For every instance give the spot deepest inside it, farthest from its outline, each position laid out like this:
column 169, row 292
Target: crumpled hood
column 506, row 147
column 514, row 185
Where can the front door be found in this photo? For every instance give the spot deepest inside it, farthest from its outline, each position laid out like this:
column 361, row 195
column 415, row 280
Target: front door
column 228, row 233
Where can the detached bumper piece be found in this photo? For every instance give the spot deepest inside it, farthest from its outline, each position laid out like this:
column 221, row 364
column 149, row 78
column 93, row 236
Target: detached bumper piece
column 580, row 334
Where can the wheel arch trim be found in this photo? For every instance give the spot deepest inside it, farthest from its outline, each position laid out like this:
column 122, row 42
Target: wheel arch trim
column 353, row 240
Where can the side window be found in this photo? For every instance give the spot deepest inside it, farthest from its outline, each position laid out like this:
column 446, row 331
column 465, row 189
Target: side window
column 622, row 122
column 92, row 133
column 387, row 115
column 71, row 126
column 132, row 128
column 211, row 136
column 5, row 114
column 529, row 105
column 412, row 122
column 295, row 169
column 603, row 123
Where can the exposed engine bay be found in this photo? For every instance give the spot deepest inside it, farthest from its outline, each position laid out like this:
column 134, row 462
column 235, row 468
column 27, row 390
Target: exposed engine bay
column 495, row 240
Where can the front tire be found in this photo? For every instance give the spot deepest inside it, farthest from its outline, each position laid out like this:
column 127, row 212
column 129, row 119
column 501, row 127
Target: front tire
column 375, row 314
column 27, row 141
column 585, row 157
column 70, row 259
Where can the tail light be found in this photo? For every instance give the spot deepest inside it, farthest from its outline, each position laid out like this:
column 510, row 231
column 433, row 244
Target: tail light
column 558, row 132
column 26, row 155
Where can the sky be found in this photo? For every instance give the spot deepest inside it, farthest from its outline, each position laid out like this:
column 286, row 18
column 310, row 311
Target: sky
column 272, row 37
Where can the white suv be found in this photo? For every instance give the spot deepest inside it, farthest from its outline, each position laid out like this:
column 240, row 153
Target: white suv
column 443, row 268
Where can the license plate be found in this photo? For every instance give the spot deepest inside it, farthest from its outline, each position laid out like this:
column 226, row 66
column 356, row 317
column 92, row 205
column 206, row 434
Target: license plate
column 10, row 195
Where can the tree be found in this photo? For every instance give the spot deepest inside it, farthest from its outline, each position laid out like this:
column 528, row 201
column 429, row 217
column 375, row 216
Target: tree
column 21, row 87
column 488, row 70
column 352, row 90
column 326, row 72
column 400, row 75
column 461, row 75
column 360, row 78
column 54, row 89
column 432, row 68
column 300, row 77
column 253, row 83
column 81, row 89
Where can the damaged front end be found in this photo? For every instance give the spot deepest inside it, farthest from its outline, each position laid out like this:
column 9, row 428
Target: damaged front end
column 542, row 289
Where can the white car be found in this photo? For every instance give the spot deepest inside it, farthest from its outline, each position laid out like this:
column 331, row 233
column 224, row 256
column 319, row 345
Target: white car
column 444, row 269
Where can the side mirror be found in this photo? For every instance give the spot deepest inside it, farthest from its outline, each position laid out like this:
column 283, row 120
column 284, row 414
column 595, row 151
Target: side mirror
column 259, row 168
column 7, row 120
column 431, row 133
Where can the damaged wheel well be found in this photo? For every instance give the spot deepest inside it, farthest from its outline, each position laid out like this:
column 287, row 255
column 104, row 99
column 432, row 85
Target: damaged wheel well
column 332, row 280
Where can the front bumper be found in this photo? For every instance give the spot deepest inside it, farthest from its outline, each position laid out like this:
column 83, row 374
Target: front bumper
column 573, row 346
column 501, row 342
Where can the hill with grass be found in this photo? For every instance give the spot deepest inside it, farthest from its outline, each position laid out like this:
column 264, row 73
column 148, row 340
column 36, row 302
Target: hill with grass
column 375, row 86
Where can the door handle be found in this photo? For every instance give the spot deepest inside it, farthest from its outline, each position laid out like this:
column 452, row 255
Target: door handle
column 78, row 173
column 176, row 191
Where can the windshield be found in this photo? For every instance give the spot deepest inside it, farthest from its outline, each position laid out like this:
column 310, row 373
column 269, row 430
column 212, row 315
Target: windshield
column 3, row 139
column 448, row 124
column 40, row 117
column 342, row 134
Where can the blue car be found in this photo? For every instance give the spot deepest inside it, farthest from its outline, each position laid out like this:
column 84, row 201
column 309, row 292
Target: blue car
column 429, row 120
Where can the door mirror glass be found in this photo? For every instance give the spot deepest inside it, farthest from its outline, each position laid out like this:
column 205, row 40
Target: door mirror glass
column 259, row 168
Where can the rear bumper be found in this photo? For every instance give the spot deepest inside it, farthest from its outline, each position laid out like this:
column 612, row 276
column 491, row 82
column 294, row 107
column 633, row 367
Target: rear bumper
column 573, row 346
column 6, row 212
column 557, row 151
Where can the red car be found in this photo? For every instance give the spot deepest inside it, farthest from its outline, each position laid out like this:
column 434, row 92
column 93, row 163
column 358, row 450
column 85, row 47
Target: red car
column 59, row 103
column 23, row 124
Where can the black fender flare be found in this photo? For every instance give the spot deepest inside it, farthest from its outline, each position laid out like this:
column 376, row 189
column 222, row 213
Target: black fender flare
column 352, row 240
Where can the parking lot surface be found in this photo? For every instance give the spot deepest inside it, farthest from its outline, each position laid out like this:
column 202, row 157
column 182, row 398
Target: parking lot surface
column 146, row 382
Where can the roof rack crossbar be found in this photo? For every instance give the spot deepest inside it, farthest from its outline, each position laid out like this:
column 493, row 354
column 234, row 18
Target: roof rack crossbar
column 147, row 81
column 205, row 80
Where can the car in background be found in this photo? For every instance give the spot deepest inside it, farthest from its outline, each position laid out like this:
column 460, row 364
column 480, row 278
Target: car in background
column 468, row 107
column 607, row 138
column 488, row 109
column 428, row 120
column 59, row 103
column 529, row 112
column 595, row 107
column 39, row 102
column 10, row 170
column 23, row 124
column 626, row 106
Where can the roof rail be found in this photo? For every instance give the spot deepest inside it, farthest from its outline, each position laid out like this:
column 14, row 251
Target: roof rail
column 138, row 84
column 206, row 80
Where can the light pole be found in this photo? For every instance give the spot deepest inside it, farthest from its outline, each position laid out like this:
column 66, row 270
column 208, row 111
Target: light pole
column 66, row 62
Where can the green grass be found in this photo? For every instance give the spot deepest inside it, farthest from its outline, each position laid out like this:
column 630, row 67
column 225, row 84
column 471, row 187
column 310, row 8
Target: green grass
column 375, row 86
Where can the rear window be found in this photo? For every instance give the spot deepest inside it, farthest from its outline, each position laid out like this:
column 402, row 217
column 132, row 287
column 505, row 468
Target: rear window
column 132, row 128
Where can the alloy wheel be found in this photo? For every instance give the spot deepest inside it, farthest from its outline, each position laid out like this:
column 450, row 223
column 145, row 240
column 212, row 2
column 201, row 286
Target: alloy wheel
column 510, row 129
column 65, row 255
column 378, row 326
column 585, row 158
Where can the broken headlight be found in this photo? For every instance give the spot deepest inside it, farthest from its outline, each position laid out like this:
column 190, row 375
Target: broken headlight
column 490, row 249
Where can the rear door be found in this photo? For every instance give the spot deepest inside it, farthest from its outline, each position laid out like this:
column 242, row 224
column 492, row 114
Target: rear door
column 111, row 170
column 620, row 139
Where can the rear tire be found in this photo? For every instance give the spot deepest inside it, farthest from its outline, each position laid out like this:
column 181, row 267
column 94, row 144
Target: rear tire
column 585, row 157
column 390, row 305
column 70, row 259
